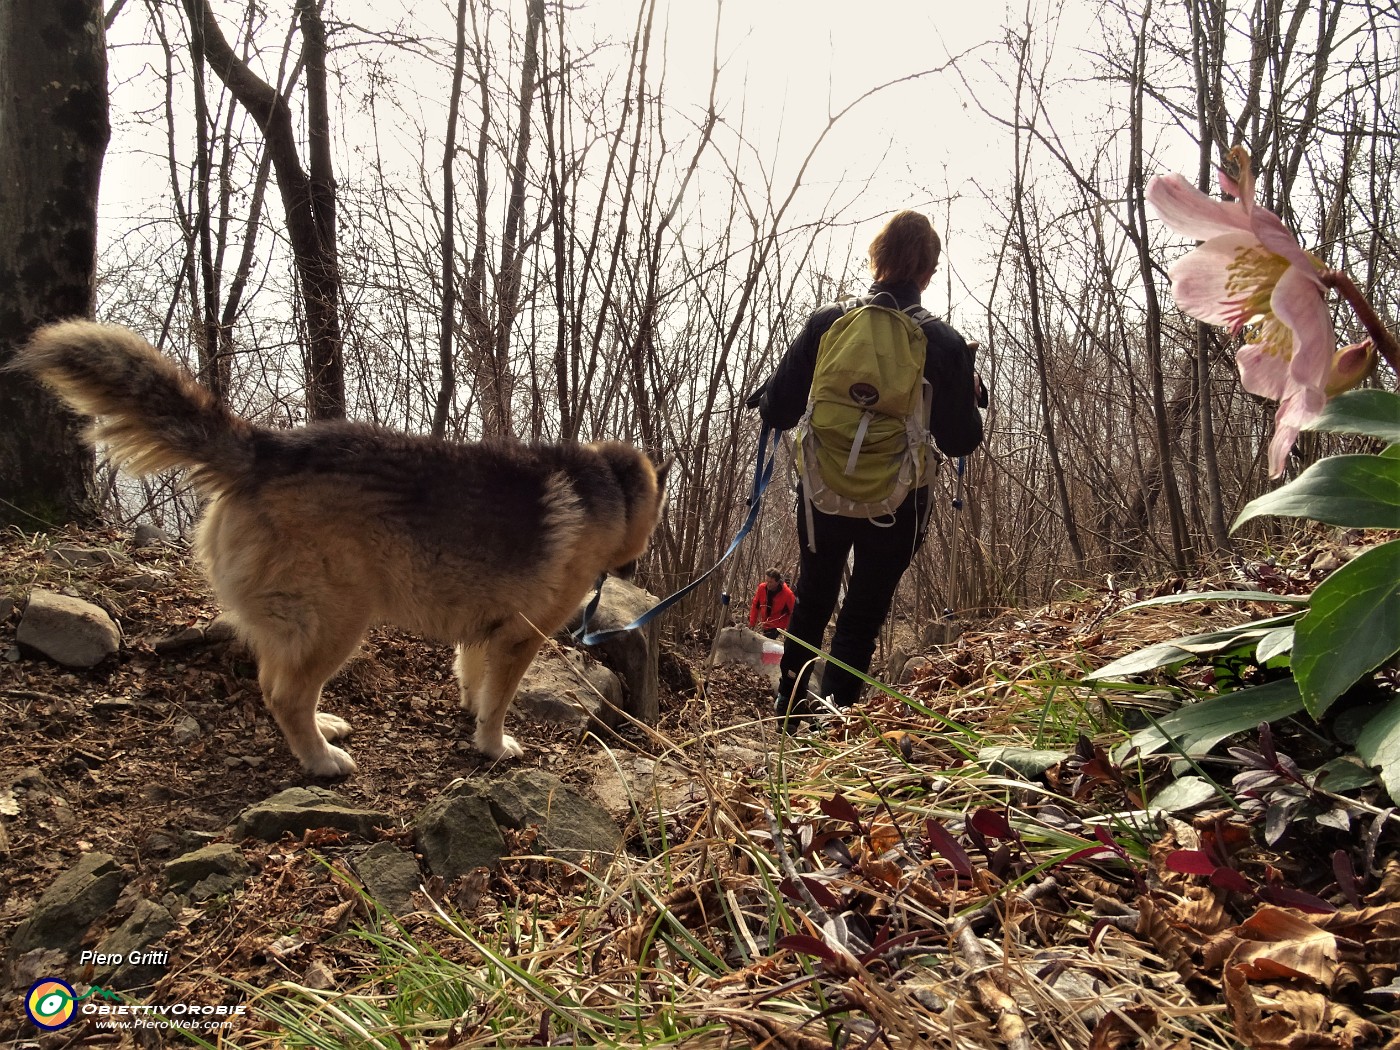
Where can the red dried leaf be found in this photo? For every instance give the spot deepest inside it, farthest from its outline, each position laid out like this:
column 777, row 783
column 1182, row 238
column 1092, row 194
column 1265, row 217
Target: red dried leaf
column 942, row 840
column 805, row 945
column 1230, row 879
column 1190, row 862
column 992, row 823
column 838, row 808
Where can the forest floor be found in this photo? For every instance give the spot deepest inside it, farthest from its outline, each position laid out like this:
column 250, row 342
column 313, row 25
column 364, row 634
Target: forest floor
column 883, row 881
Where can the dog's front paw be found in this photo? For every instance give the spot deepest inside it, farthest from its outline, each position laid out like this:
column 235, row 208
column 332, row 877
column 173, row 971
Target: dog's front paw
column 502, row 747
column 332, row 727
column 333, row 762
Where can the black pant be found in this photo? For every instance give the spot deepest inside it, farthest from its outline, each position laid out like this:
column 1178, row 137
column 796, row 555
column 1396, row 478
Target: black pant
column 883, row 550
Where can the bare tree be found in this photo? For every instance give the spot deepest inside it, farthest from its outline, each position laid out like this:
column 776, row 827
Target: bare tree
column 308, row 193
column 53, row 135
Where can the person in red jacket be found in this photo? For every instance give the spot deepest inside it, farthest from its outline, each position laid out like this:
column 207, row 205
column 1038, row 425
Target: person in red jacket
column 771, row 610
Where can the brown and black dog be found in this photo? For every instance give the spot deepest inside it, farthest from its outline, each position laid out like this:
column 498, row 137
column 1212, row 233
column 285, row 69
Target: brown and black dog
column 312, row 535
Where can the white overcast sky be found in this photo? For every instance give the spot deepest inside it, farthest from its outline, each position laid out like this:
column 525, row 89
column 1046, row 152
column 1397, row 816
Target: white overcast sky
column 786, row 66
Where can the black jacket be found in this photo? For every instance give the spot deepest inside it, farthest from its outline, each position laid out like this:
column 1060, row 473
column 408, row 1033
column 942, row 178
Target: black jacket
column 953, row 421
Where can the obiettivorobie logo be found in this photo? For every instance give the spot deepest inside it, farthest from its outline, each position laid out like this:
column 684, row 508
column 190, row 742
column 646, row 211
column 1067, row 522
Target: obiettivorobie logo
column 53, row 1004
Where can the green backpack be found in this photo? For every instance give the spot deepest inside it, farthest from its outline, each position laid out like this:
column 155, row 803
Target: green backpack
column 863, row 443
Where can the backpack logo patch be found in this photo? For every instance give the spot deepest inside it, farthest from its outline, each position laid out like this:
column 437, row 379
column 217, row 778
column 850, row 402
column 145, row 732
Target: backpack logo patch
column 864, row 393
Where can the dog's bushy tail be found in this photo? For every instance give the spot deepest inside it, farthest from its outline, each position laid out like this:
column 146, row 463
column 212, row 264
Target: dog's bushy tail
column 148, row 411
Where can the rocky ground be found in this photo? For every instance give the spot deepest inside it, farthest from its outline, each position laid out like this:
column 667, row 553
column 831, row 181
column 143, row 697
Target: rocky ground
column 148, row 806
column 150, row 757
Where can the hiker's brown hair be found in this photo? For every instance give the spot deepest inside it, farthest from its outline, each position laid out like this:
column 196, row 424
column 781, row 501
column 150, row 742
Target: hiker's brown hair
column 906, row 250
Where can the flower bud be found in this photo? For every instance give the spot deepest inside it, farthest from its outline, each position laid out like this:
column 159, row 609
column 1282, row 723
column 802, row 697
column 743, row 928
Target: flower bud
column 1350, row 366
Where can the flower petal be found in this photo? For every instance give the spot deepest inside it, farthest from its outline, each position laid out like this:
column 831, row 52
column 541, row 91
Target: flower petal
column 1295, row 412
column 1263, row 370
column 1190, row 212
column 1200, row 278
column 1275, row 236
column 1280, row 445
column 1298, row 303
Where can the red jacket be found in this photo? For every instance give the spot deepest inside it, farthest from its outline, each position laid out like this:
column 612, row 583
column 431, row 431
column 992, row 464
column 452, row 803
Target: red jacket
column 772, row 610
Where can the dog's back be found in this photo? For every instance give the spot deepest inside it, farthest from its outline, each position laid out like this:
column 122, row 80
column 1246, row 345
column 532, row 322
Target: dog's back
column 313, row 535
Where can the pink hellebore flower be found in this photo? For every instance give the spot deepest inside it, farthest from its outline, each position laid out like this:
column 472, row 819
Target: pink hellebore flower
column 1250, row 276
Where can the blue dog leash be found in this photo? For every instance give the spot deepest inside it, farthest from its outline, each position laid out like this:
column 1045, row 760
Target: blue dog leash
column 762, row 475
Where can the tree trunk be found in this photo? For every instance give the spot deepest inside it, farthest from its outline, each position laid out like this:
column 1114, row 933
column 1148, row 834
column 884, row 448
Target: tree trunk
column 53, row 135
column 308, row 198
column 1208, row 47
column 447, row 367
column 1152, row 315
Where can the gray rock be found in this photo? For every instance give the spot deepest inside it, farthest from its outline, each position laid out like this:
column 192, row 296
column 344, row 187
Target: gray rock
column 148, row 535
column 77, row 899
column 136, row 942
column 220, row 858
column 562, row 686
column 571, row 827
column 456, row 833
column 739, row 645
column 187, row 730
column 632, row 656
column 390, row 876
column 212, row 886
column 299, row 809
column 941, row 632
column 67, row 630
column 913, row 668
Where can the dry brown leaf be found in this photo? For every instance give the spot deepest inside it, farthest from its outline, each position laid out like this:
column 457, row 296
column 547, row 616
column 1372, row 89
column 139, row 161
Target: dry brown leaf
column 1290, row 1019
column 1156, row 926
column 1389, row 889
column 1120, row 1029
column 1275, row 944
column 688, row 904
column 1203, row 911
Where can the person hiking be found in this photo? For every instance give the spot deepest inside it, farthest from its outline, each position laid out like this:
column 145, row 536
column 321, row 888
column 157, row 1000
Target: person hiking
column 903, row 258
column 771, row 608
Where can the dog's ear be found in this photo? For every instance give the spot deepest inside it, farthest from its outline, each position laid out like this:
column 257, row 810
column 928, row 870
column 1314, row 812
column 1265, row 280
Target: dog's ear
column 661, row 474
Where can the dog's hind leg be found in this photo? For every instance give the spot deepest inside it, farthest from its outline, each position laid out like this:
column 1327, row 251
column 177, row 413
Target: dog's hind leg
column 504, row 662
column 291, row 677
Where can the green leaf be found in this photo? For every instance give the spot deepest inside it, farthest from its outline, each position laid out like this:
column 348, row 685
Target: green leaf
column 1140, row 662
column 1233, row 637
column 1276, row 642
column 1342, row 775
column 1379, row 745
column 1184, row 793
column 1218, row 596
column 1374, row 413
column 1180, row 650
column 1351, row 628
column 1200, row 726
column 1023, row 761
column 1357, row 492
